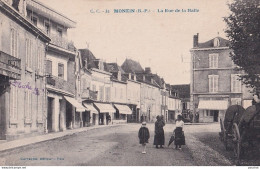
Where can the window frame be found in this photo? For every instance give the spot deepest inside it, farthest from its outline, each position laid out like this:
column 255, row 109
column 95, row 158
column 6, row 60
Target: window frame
column 213, row 60
column 213, row 83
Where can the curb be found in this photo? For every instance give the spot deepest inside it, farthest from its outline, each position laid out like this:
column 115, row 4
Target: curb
column 10, row 145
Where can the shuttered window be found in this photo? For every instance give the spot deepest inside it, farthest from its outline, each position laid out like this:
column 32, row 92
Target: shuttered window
column 235, row 83
column 49, row 67
column 61, row 70
column 213, row 83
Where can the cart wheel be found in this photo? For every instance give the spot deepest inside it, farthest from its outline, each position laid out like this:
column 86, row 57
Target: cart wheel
column 221, row 134
column 237, row 142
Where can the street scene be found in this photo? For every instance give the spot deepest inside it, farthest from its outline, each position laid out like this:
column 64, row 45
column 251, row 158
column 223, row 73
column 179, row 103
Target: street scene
column 119, row 146
column 91, row 83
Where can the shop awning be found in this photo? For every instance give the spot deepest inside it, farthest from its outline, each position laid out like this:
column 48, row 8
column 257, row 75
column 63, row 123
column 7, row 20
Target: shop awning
column 105, row 108
column 213, row 104
column 123, row 109
column 75, row 103
column 90, row 107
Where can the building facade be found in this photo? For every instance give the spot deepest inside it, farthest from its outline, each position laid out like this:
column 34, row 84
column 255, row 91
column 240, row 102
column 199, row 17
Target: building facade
column 214, row 80
column 63, row 110
column 22, row 80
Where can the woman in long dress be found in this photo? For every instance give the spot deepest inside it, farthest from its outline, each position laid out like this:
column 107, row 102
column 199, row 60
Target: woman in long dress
column 159, row 138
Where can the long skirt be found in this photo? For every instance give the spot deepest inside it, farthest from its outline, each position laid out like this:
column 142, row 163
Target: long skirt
column 179, row 136
column 159, row 139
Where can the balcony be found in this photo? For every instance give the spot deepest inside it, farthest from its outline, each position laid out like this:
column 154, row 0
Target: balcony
column 10, row 66
column 61, row 84
column 89, row 94
column 59, row 41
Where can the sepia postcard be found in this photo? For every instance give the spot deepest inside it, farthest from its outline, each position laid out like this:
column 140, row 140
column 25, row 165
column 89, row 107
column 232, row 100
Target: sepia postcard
column 129, row 83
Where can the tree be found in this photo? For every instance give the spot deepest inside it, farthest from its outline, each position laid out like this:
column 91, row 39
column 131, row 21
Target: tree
column 243, row 31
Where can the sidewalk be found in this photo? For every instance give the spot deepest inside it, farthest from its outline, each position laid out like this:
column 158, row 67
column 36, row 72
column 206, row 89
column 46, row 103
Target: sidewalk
column 49, row 136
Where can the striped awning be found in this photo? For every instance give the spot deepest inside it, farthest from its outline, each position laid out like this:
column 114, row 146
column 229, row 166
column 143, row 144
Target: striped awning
column 75, row 103
column 123, row 109
column 90, row 107
column 105, row 107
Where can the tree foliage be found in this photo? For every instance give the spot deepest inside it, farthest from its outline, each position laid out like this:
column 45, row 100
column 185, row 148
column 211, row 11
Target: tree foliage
column 243, row 31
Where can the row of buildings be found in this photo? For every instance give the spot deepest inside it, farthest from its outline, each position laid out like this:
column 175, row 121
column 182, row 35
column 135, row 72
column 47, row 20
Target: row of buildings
column 48, row 85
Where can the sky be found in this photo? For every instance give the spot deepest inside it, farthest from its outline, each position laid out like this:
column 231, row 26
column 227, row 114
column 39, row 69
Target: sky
column 160, row 40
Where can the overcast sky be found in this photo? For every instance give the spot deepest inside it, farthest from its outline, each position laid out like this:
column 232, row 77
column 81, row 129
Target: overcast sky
column 156, row 40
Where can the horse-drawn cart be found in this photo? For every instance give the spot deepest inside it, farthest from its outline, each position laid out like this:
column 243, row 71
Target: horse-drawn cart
column 240, row 129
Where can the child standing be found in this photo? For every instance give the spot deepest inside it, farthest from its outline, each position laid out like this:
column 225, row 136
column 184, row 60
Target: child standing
column 179, row 135
column 143, row 136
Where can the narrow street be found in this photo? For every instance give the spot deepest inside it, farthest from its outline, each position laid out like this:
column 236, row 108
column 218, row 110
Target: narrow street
column 119, row 146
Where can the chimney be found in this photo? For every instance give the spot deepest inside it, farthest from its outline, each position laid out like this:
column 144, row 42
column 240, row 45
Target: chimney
column 129, row 76
column 147, row 70
column 196, row 40
column 144, row 78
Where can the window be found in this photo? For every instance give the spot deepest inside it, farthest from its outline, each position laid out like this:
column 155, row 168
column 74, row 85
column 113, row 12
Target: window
column 216, row 42
column 61, row 70
column 213, row 83
column 39, row 107
column 107, row 93
column 48, row 67
column 14, row 43
column 213, row 60
column 235, row 83
column 13, row 103
column 101, row 93
column 28, row 105
column 34, row 20
column 47, row 27
column 28, row 51
column 59, row 30
column 40, row 54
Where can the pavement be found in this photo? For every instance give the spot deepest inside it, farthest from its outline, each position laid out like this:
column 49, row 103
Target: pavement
column 4, row 145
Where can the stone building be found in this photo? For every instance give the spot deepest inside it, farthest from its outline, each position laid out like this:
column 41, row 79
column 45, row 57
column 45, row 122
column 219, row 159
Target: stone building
column 63, row 110
column 214, row 80
column 22, row 78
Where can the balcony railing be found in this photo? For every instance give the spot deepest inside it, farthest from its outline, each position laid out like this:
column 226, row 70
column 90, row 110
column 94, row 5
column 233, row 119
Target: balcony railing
column 59, row 41
column 10, row 66
column 61, row 84
column 89, row 94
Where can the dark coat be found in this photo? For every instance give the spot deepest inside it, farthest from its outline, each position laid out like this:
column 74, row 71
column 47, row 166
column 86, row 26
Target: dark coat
column 159, row 138
column 179, row 136
column 143, row 135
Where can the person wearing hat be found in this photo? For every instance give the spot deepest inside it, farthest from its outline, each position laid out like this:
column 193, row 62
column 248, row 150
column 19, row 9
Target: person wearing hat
column 159, row 138
column 143, row 136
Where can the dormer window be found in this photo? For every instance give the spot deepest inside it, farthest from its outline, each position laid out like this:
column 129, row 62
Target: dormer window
column 15, row 4
column 216, row 42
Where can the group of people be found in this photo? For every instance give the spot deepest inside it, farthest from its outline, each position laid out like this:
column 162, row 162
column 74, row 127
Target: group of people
column 159, row 138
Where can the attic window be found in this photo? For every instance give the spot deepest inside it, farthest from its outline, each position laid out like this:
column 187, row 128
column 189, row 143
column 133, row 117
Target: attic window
column 216, row 42
column 15, row 4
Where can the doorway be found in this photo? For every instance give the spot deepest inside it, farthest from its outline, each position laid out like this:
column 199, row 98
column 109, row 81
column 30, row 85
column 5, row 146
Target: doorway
column 49, row 114
column 215, row 115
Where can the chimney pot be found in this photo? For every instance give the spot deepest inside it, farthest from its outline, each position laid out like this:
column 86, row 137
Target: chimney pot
column 196, row 40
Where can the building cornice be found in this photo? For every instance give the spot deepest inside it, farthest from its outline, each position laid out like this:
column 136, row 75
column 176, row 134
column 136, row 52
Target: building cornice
column 55, row 48
column 24, row 22
column 215, row 94
column 101, row 71
column 203, row 49
column 224, row 68
column 59, row 91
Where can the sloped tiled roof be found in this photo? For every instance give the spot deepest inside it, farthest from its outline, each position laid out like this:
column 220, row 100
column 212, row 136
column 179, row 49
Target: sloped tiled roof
column 86, row 54
column 183, row 90
column 131, row 66
column 114, row 67
column 209, row 44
